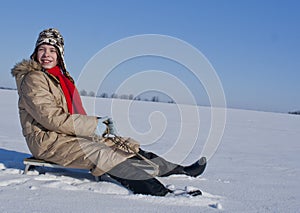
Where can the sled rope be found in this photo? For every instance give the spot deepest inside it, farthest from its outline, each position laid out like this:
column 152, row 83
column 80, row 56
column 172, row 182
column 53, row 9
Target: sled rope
column 125, row 144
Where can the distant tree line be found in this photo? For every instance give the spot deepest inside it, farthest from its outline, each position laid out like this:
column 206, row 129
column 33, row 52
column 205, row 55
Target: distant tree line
column 8, row 88
column 123, row 96
column 85, row 93
column 295, row 112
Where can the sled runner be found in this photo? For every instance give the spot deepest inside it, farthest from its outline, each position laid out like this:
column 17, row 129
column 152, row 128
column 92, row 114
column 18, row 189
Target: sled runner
column 33, row 162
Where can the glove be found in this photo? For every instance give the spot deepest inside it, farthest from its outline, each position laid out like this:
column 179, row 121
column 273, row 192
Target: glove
column 105, row 126
column 101, row 127
column 110, row 127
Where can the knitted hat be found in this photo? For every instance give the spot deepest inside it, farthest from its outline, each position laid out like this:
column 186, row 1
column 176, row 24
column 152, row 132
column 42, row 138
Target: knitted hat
column 53, row 37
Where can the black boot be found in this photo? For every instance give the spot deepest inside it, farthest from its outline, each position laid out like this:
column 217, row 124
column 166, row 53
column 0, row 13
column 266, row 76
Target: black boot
column 147, row 187
column 137, row 180
column 193, row 170
column 196, row 169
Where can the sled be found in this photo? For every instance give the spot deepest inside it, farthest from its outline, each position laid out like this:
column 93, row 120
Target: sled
column 33, row 162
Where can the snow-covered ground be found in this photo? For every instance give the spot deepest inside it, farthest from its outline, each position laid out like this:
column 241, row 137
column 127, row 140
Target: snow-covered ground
column 255, row 169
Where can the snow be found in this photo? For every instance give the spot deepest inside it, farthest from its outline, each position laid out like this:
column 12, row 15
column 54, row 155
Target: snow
column 255, row 168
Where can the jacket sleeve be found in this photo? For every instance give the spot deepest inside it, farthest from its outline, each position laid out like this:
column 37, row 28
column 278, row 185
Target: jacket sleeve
column 40, row 103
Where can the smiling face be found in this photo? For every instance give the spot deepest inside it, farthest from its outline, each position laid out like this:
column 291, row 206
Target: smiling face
column 47, row 56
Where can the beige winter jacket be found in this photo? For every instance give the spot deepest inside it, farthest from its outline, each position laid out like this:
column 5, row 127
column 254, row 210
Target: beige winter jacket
column 51, row 132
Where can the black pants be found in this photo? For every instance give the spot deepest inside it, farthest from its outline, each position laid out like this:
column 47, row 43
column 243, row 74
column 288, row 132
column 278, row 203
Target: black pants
column 132, row 175
column 165, row 167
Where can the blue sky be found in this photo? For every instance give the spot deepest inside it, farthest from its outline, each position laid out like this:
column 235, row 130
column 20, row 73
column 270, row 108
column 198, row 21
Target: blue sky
column 253, row 45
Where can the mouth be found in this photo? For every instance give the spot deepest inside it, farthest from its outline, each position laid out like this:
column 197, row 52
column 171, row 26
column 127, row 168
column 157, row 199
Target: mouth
column 46, row 61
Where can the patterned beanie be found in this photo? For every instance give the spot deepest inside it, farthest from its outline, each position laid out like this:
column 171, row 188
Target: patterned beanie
column 53, row 37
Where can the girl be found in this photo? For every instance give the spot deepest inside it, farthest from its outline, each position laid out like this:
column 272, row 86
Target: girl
column 57, row 128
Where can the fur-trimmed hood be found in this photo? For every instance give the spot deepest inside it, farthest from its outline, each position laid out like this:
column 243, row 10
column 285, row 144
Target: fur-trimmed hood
column 24, row 67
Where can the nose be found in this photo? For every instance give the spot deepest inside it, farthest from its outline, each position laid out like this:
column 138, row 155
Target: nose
column 46, row 53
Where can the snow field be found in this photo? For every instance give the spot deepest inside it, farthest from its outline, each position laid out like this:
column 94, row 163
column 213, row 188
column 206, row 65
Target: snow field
column 255, row 168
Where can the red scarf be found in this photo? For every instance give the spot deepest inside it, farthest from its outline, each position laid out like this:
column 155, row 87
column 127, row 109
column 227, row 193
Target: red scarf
column 71, row 93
